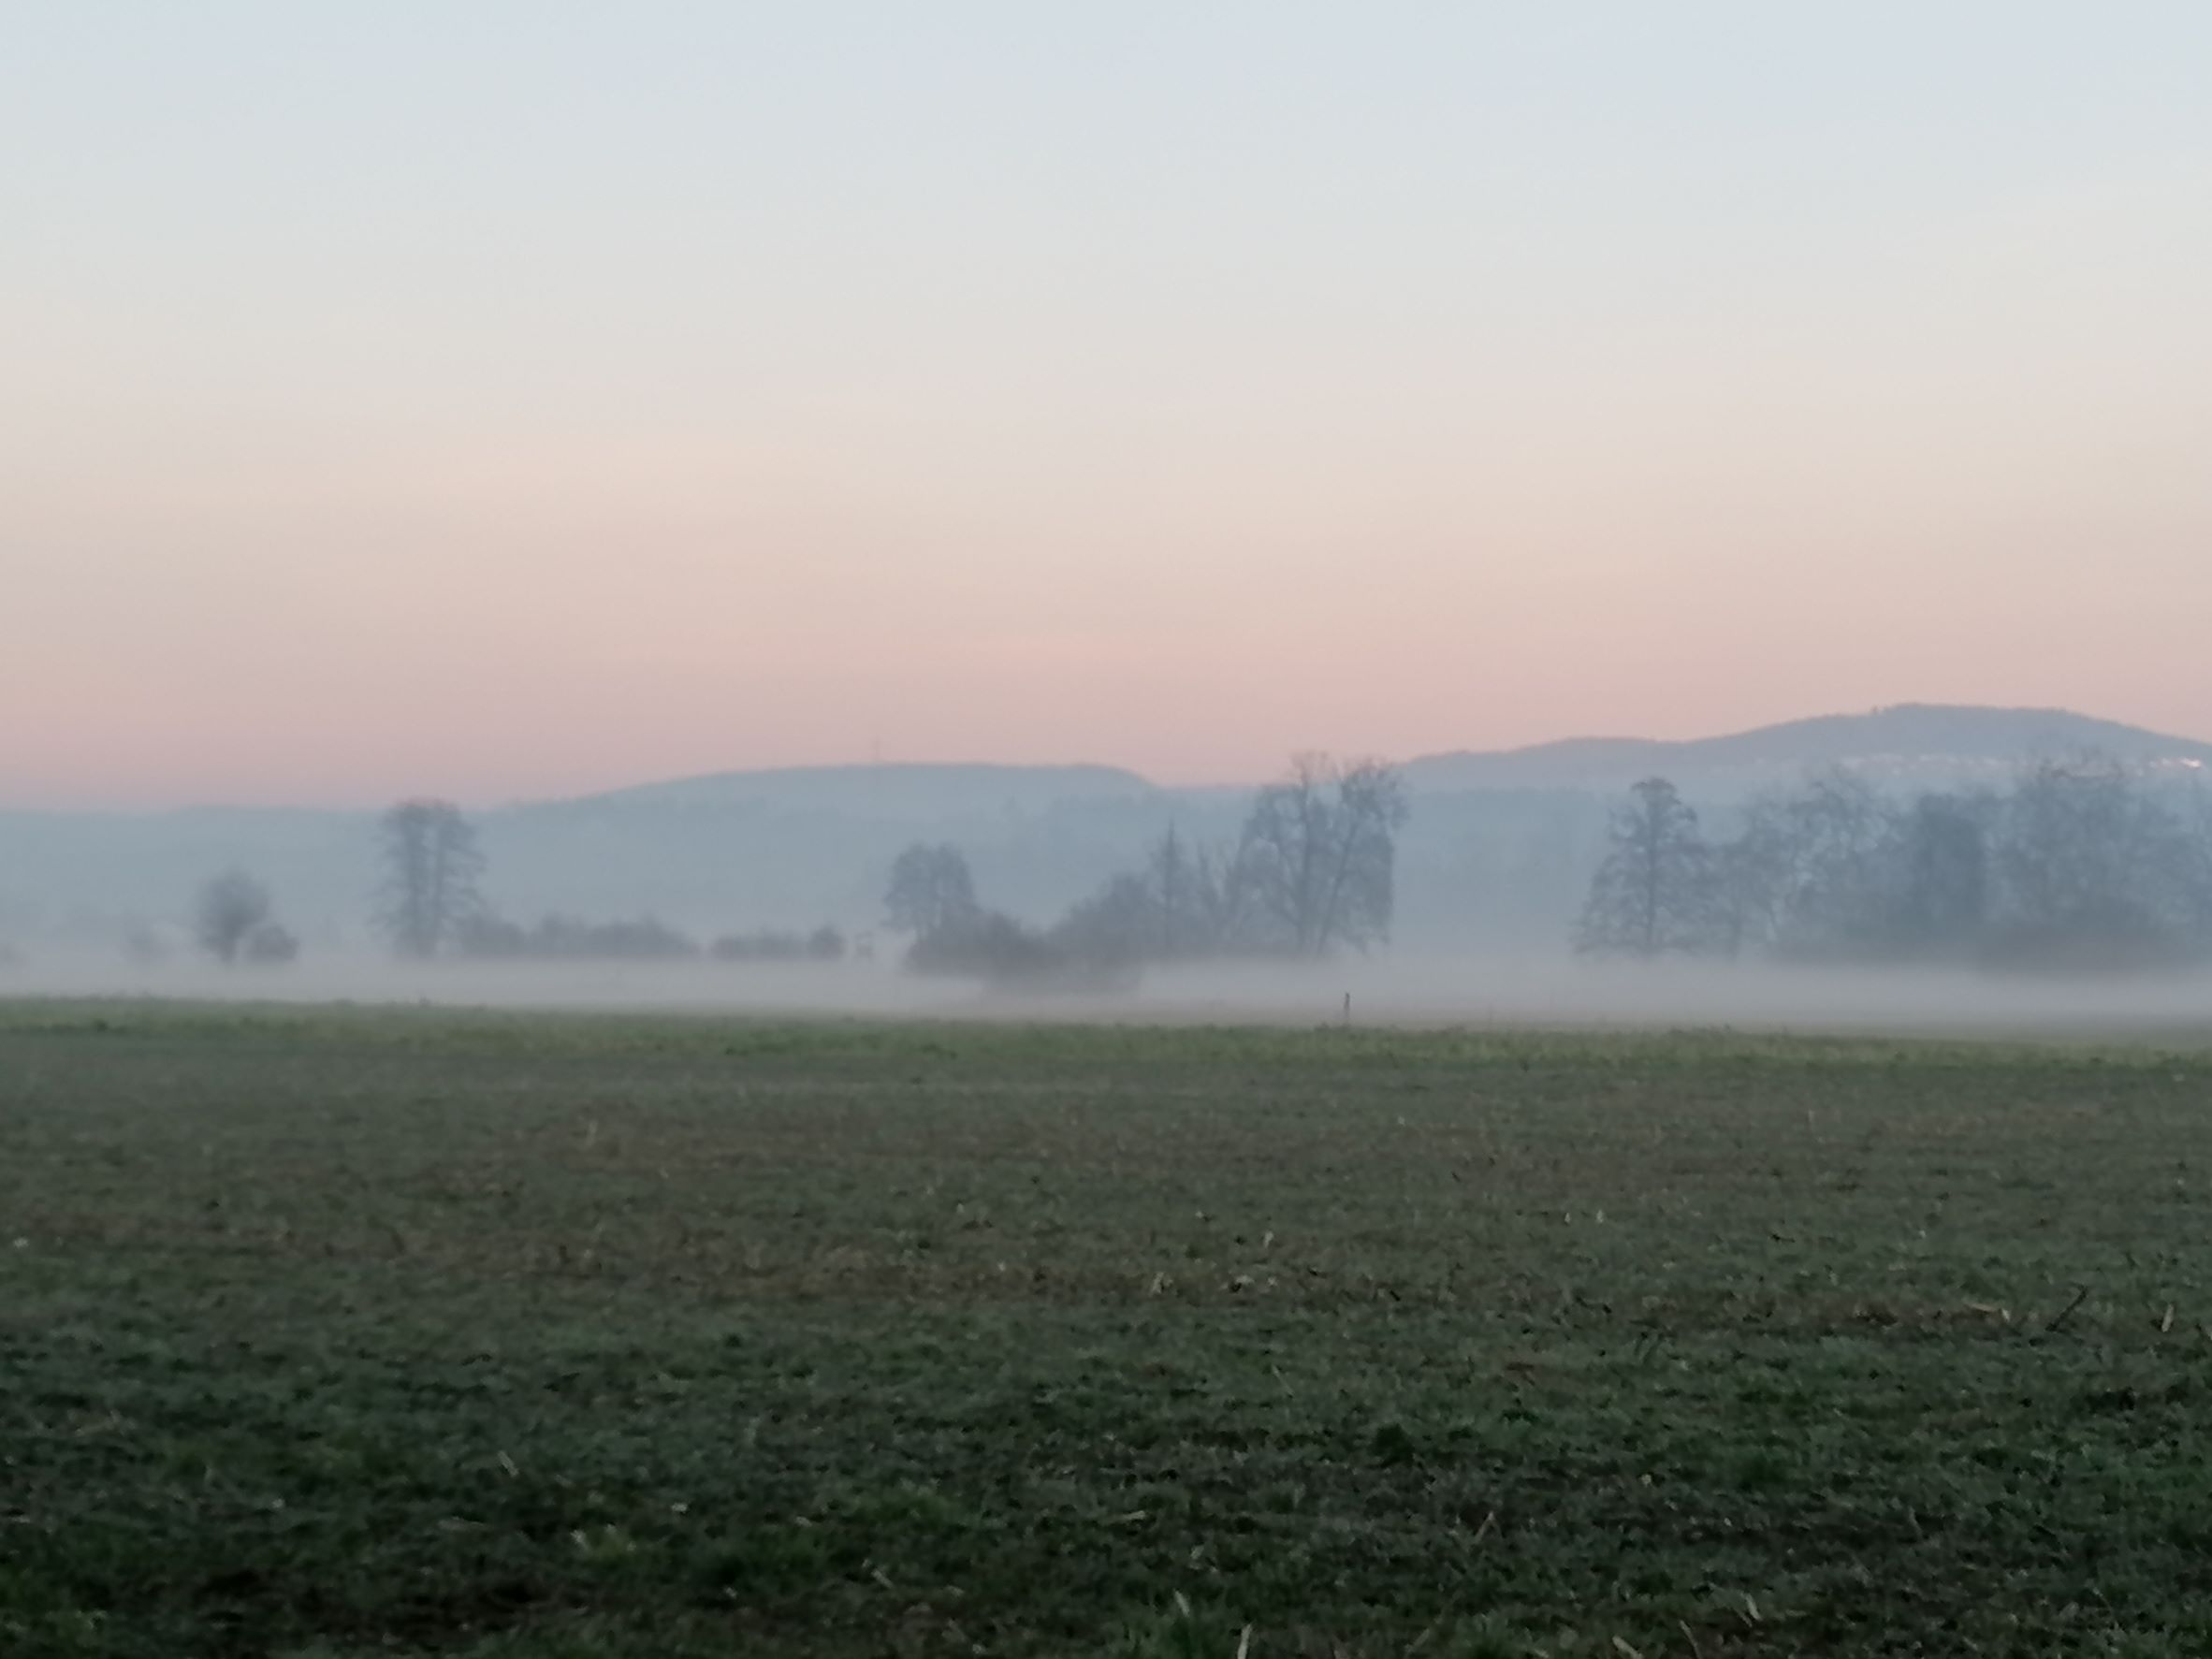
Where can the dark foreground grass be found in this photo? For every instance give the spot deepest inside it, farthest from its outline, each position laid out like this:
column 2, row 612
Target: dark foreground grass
column 356, row 1334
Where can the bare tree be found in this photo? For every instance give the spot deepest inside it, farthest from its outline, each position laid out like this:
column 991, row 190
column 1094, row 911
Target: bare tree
column 1320, row 849
column 931, row 891
column 432, row 867
column 232, row 906
column 1655, row 890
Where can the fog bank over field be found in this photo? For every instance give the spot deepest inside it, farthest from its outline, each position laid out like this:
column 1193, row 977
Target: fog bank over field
column 1403, row 989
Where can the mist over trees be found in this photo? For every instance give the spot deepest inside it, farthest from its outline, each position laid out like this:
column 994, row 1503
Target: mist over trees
column 432, row 866
column 230, row 907
column 931, row 895
column 1183, row 903
column 2083, row 863
column 1320, row 850
column 432, row 903
column 1656, row 891
column 235, row 920
column 932, row 891
column 1312, row 871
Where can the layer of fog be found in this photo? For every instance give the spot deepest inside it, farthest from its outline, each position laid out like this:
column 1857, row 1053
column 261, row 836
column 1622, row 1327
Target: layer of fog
column 1392, row 989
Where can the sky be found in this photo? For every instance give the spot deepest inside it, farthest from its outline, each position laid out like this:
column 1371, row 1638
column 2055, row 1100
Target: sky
column 518, row 398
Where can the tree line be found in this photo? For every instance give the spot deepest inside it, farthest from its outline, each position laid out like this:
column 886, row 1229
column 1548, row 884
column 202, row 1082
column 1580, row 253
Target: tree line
column 1312, row 871
column 429, row 902
column 2082, row 862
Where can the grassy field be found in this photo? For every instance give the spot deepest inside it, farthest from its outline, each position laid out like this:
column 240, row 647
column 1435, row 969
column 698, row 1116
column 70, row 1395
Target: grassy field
column 350, row 1333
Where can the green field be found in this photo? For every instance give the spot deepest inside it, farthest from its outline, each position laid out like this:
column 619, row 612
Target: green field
column 353, row 1332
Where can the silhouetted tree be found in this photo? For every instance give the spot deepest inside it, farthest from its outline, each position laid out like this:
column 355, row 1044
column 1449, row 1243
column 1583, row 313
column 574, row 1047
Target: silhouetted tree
column 931, row 891
column 231, row 907
column 432, row 867
column 1319, row 851
column 1655, row 890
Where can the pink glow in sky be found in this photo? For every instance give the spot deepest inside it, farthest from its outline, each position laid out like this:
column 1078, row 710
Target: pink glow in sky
column 504, row 408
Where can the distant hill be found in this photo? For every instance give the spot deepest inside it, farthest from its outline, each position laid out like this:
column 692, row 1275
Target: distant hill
column 1906, row 738
column 797, row 845
column 1911, row 740
column 884, row 791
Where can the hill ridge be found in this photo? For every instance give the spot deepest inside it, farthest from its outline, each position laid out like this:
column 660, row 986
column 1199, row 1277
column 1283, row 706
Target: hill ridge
column 1906, row 734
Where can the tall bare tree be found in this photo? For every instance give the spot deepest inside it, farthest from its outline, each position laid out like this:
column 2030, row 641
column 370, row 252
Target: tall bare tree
column 432, row 868
column 1320, row 850
column 1655, row 890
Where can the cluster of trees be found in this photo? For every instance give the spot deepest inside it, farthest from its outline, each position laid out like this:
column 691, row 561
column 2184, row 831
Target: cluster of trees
column 932, row 896
column 1312, row 871
column 235, row 920
column 432, row 903
column 2082, row 862
column 427, row 902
